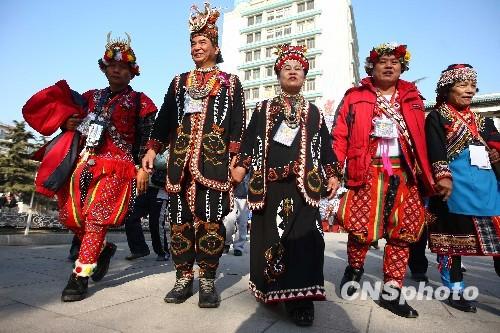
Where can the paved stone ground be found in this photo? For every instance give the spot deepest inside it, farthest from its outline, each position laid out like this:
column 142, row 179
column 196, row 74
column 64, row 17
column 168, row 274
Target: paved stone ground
column 130, row 298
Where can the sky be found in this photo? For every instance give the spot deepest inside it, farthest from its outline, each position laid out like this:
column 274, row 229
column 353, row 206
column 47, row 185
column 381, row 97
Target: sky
column 44, row 41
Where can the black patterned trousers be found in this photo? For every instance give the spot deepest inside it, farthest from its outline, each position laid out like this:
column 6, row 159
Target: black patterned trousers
column 197, row 232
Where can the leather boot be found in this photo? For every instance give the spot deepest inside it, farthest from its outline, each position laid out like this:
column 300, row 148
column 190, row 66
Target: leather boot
column 76, row 289
column 393, row 305
column 208, row 296
column 103, row 262
column 182, row 290
column 351, row 274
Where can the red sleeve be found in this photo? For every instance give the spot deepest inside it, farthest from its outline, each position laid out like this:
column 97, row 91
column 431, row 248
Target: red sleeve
column 340, row 131
column 147, row 106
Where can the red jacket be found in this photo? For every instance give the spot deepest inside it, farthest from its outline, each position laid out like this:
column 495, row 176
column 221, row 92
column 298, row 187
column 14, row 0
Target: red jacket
column 353, row 127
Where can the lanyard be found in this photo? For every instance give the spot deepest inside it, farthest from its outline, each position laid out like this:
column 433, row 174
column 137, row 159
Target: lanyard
column 472, row 128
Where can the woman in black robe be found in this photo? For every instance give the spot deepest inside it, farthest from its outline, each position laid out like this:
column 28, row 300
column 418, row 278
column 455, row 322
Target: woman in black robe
column 287, row 150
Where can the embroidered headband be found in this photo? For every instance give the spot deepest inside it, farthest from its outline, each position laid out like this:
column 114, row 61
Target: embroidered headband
column 119, row 50
column 398, row 50
column 456, row 73
column 288, row 52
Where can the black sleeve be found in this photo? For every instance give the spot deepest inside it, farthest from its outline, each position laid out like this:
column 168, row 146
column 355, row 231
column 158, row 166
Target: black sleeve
column 143, row 132
column 237, row 117
column 436, row 145
column 166, row 121
column 248, row 140
column 491, row 133
column 329, row 161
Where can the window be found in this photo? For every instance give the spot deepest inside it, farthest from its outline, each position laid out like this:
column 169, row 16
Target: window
column 270, row 33
column 300, row 26
column 301, row 42
column 287, row 29
column 248, row 56
column 310, row 85
column 250, row 20
column 258, row 19
column 257, row 36
column 248, row 74
column 277, row 89
column 269, row 71
column 246, row 93
column 256, row 55
column 301, row 6
column 256, row 74
column 269, row 52
column 268, row 91
column 310, row 43
column 249, row 38
column 312, row 63
column 255, row 93
column 270, row 15
column 310, row 4
column 278, row 32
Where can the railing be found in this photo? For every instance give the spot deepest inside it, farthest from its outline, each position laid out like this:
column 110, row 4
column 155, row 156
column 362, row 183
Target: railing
column 10, row 218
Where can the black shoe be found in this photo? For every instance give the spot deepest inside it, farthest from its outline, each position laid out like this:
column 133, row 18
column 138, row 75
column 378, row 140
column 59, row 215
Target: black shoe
column 419, row 277
column 461, row 304
column 134, row 256
column 351, row 274
column 103, row 262
column 226, row 249
column 162, row 257
column 237, row 253
column 402, row 310
column 301, row 312
column 76, row 289
column 208, row 297
column 182, row 290
column 496, row 264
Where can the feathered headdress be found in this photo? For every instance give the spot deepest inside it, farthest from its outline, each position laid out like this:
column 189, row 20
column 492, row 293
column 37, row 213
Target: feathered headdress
column 203, row 23
column 119, row 49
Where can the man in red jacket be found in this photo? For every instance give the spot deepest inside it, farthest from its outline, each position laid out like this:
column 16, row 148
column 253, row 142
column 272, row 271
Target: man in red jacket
column 379, row 133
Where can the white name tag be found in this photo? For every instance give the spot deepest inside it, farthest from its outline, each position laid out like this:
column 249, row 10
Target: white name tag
column 384, row 128
column 285, row 135
column 192, row 105
column 479, row 157
column 95, row 133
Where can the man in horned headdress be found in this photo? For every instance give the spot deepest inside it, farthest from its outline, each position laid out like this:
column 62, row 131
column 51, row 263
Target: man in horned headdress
column 201, row 119
column 101, row 188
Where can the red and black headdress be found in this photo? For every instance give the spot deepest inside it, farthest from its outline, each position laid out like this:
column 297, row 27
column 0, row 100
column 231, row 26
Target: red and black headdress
column 287, row 52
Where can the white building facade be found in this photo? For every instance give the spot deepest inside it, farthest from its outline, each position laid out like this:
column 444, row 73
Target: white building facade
column 255, row 27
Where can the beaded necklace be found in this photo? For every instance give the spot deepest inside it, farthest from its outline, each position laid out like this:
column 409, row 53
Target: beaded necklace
column 292, row 119
column 197, row 90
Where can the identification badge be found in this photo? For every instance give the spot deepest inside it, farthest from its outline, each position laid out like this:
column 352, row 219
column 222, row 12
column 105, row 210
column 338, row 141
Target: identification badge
column 85, row 124
column 95, row 134
column 384, row 128
column 479, row 157
column 192, row 105
column 285, row 135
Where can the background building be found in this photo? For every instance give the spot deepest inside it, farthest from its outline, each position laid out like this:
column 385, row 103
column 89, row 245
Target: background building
column 326, row 27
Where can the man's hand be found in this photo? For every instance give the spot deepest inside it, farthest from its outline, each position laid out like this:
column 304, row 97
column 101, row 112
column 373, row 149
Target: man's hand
column 72, row 122
column 444, row 187
column 148, row 160
column 237, row 172
column 333, row 186
column 142, row 181
column 494, row 155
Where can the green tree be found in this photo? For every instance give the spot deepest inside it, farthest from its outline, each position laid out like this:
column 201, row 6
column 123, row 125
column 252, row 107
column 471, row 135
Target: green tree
column 17, row 170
